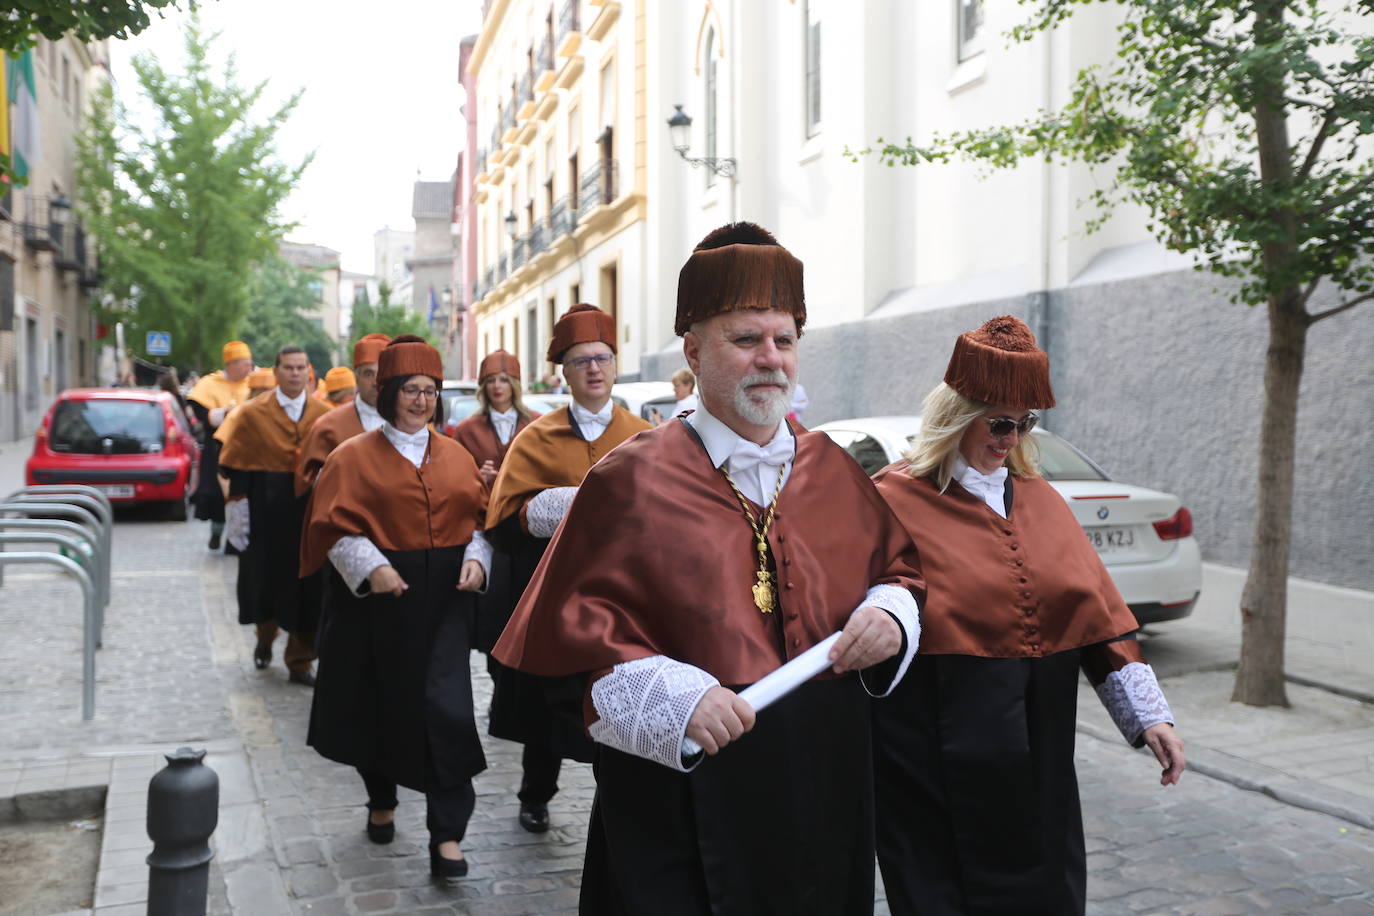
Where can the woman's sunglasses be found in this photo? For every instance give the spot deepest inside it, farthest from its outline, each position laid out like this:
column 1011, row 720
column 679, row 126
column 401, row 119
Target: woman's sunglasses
column 1003, row 426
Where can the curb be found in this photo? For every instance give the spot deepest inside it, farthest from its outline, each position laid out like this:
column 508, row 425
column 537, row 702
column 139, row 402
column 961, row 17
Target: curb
column 1266, row 780
column 1348, row 692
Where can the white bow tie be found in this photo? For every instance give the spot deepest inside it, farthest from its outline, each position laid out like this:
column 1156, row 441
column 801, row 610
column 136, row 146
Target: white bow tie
column 584, row 416
column 975, row 481
column 748, row 456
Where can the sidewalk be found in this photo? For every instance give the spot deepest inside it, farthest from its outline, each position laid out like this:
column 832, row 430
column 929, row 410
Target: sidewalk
column 1317, row 754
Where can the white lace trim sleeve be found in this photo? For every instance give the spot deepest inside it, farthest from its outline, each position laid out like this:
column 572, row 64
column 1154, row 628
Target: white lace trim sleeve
column 1134, row 701
column 644, row 707
column 546, row 510
column 355, row 557
column 236, row 523
column 479, row 549
column 900, row 603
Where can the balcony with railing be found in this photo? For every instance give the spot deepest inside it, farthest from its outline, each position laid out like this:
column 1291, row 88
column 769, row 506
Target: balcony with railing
column 599, row 184
column 536, row 241
column 562, row 219
column 569, row 28
column 508, row 121
column 41, row 231
column 70, row 254
column 518, row 253
column 544, row 67
column 525, row 96
column 481, row 162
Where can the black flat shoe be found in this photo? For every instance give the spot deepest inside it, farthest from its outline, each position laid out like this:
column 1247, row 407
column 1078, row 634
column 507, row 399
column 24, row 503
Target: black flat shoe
column 381, row 834
column 439, row 867
column 534, row 818
column 262, row 657
column 305, row 678
column 214, row 540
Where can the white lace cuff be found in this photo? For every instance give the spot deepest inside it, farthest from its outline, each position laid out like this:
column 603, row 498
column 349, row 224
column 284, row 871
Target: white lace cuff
column 900, row 603
column 645, row 705
column 355, row 557
column 1134, row 701
column 479, row 549
column 545, row 511
column 236, row 521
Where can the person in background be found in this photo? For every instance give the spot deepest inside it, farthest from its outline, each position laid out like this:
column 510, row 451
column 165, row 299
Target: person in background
column 977, row 798
column 212, row 399
column 261, row 381
column 799, row 403
column 353, row 419
column 340, row 385
column 684, row 389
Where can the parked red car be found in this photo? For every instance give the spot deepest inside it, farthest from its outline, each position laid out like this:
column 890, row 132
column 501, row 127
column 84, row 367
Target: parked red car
column 134, row 444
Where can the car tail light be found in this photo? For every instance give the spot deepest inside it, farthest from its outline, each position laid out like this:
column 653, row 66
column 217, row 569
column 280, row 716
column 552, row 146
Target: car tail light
column 1178, row 526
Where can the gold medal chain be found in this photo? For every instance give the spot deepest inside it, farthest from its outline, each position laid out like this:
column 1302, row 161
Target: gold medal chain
column 765, row 596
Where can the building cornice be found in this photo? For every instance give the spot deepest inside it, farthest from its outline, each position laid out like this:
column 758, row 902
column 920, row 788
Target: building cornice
column 490, row 25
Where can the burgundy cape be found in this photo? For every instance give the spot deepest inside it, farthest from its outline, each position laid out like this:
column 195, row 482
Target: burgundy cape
column 978, row 808
column 340, row 424
column 478, row 436
column 656, row 557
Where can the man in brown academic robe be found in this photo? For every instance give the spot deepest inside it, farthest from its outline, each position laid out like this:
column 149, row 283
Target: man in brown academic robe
column 349, row 420
column 264, row 515
column 541, row 472
column 694, row 560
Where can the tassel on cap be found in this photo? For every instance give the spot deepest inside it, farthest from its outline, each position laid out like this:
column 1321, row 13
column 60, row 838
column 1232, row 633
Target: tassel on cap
column 999, row 363
column 739, row 266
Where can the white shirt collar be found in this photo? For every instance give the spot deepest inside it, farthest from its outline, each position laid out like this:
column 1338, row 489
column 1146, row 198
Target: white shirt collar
column 720, row 440
column 602, row 416
column 411, row 445
column 505, row 416
column 990, row 488
column 294, row 407
column 367, row 415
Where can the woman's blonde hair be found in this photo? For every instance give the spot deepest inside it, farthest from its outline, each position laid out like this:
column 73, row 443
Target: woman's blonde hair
column 517, row 396
column 685, row 377
column 946, row 415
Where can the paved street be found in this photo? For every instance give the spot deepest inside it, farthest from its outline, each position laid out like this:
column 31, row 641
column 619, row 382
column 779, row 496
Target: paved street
column 176, row 670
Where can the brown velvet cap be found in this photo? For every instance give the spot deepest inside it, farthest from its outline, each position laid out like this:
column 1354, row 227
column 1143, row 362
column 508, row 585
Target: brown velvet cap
column 739, row 266
column 582, row 323
column 369, row 347
column 999, row 363
column 409, row 355
column 498, row 361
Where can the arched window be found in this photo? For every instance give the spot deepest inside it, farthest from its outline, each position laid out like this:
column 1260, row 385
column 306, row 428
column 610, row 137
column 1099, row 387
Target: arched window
column 711, row 107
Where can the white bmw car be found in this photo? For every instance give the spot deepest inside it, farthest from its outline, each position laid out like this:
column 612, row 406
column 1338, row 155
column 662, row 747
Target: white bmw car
column 1145, row 537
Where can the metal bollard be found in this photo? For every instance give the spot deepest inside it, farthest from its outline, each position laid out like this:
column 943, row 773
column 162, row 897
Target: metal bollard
column 183, row 809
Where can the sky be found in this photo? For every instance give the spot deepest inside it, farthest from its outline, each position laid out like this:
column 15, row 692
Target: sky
column 381, row 100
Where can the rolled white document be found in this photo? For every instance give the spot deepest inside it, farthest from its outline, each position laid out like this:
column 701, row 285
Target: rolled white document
column 774, row 686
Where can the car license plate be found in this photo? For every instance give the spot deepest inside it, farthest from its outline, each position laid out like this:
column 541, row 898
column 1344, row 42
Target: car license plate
column 1110, row 540
column 117, row 490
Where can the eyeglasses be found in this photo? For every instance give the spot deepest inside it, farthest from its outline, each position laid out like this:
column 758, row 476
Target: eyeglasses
column 1003, row 426
column 583, row 363
column 415, row 391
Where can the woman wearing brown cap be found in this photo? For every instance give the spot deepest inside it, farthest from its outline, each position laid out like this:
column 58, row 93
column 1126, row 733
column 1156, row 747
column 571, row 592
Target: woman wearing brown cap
column 398, row 514
column 977, row 799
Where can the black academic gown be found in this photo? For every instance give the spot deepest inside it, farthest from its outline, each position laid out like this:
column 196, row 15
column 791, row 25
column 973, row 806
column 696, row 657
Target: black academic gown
column 393, row 694
column 977, row 797
column 269, row 586
column 208, row 498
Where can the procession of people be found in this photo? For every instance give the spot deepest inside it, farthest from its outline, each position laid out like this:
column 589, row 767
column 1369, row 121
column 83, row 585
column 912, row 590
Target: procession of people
column 631, row 585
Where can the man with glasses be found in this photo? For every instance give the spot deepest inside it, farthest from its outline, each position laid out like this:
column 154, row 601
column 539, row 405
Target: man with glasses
column 263, row 513
column 349, row 420
column 538, row 479
column 695, row 560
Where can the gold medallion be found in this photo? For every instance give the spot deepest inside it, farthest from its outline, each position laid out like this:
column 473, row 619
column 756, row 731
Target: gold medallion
column 765, row 594
column 764, row 598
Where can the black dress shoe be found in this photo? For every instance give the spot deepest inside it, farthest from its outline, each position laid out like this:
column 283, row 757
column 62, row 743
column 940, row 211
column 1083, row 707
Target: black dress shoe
column 381, row 834
column 439, row 867
column 302, row 677
column 534, row 818
column 214, row 540
column 262, row 657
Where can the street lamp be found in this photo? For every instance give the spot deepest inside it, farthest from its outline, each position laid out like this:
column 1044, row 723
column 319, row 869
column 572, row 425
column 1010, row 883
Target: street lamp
column 680, row 129
column 512, row 224
column 59, row 210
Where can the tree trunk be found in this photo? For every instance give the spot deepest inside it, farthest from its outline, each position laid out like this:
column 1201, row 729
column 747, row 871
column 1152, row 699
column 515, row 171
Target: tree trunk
column 1264, row 601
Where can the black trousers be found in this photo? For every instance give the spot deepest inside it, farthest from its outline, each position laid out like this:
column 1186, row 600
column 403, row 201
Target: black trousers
column 447, row 811
column 539, row 776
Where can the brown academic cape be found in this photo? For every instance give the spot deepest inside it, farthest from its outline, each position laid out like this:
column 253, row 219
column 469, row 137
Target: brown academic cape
column 393, row 694
column 656, row 557
column 478, row 436
column 260, row 443
column 331, row 429
column 212, row 391
column 978, row 807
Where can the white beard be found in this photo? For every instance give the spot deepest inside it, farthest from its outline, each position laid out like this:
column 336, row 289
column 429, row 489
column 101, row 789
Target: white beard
column 775, row 405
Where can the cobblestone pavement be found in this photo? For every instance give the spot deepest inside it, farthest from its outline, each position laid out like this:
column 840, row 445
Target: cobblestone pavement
column 176, row 669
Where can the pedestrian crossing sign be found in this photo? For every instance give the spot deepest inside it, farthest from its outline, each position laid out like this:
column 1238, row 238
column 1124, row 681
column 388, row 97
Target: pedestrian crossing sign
column 159, row 343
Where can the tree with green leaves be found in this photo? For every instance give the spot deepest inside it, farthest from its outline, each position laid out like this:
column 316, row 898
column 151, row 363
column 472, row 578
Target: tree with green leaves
column 1243, row 128
column 87, row 21
column 386, row 318
column 184, row 208
column 281, row 300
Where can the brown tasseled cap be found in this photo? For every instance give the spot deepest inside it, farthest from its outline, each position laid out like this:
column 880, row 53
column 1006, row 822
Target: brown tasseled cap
column 409, row 355
column 582, row 323
column 369, row 347
column 739, row 266
column 498, row 361
column 999, row 363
